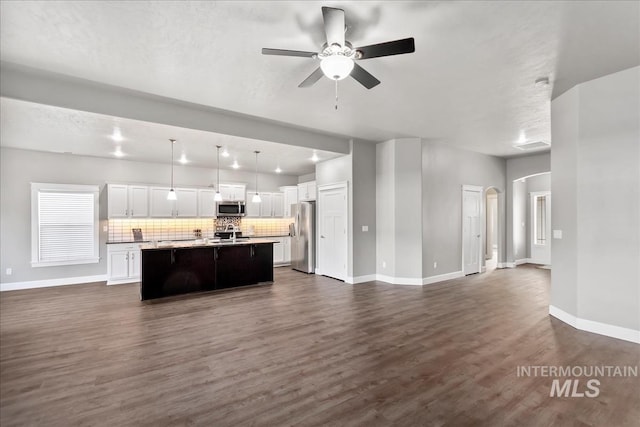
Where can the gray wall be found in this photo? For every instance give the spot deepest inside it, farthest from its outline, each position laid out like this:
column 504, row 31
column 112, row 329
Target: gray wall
column 308, row 177
column 385, row 212
column 517, row 168
column 444, row 171
column 18, row 168
column 363, row 156
column 596, row 200
column 519, row 215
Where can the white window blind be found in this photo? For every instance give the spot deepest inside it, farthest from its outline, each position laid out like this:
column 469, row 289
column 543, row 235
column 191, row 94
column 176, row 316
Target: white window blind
column 65, row 224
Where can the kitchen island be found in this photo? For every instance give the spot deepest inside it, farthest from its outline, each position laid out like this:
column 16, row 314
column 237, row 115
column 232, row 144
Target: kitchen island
column 185, row 267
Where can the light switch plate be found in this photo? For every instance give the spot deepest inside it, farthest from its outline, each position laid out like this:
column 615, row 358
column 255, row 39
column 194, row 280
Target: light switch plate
column 557, row 234
column 365, row 228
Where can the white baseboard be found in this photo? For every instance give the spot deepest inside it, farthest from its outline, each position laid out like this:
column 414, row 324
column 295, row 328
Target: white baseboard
column 612, row 331
column 64, row 281
column 361, row 279
column 442, row 277
column 521, row 261
column 501, row 265
column 122, row 282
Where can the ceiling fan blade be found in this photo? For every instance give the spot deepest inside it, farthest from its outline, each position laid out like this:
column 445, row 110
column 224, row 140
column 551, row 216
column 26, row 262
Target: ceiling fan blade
column 313, row 78
column 364, row 77
column 333, row 25
column 395, row 47
column 284, row 52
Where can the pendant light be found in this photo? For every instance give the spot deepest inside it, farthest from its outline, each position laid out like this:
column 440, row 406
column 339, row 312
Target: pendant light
column 172, row 193
column 256, row 197
column 218, row 196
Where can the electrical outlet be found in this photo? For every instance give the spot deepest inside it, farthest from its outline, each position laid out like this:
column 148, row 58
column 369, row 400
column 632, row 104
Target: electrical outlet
column 435, row 264
column 384, row 264
column 365, row 228
column 9, row 271
column 105, row 228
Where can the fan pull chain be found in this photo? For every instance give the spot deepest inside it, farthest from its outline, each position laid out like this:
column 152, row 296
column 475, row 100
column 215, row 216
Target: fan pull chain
column 336, row 94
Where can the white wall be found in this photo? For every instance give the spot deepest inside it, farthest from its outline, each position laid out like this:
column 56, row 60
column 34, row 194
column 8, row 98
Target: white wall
column 18, row 168
column 385, row 213
column 535, row 184
column 596, row 201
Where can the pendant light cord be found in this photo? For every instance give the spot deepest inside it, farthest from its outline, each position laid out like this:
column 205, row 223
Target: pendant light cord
column 173, row 141
column 336, row 94
column 257, row 172
column 218, row 167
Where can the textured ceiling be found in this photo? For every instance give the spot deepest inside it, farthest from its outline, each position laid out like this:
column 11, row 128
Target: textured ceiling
column 469, row 83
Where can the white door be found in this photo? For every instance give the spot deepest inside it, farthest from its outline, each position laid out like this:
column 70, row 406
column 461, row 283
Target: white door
column 332, row 249
column 278, row 252
column 541, row 228
column 252, row 209
column 471, row 229
column 187, row 202
column 266, row 205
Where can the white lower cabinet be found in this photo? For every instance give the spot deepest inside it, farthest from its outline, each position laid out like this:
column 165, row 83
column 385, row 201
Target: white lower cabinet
column 282, row 251
column 123, row 263
column 287, row 250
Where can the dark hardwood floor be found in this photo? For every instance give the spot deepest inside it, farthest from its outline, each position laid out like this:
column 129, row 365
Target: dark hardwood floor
column 305, row 351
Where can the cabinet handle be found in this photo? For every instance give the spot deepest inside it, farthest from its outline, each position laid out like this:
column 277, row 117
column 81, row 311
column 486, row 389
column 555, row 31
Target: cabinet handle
column 126, row 212
column 133, row 256
column 127, row 257
column 173, row 256
column 131, row 212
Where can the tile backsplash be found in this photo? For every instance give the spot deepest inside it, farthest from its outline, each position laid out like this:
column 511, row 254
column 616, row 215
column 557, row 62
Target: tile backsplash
column 120, row 230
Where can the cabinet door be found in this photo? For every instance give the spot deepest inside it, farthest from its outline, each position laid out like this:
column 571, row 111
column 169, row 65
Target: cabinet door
column 302, row 192
column 252, row 209
column 238, row 192
column 311, row 190
column 117, row 201
column 138, row 201
column 290, row 198
column 266, row 205
column 278, row 204
column 118, row 265
column 278, row 252
column 206, row 204
column 233, row 266
column 159, row 206
column 262, row 262
column 287, row 249
column 186, row 203
column 134, row 264
column 227, row 192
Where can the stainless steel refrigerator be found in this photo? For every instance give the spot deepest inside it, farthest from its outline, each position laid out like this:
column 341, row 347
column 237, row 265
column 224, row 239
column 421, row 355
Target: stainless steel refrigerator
column 303, row 237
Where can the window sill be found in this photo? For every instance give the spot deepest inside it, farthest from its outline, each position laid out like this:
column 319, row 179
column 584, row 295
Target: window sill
column 69, row 262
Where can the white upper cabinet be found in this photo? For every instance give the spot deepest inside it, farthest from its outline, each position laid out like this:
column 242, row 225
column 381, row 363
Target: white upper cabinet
column 138, row 201
column 290, row 198
column 127, row 201
column 159, row 206
column 278, row 205
column 307, row 191
column 233, row 192
column 186, row 205
column 206, row 203
column 266, row 205
column 252, row 209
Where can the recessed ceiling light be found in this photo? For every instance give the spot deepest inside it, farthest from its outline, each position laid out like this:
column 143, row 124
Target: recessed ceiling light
column 225, row 153
column 235, row 164
column 118, row 152
column 117, row 135
column 278, row 170
column 314, row 157
column 532, row 145
column 183, row 159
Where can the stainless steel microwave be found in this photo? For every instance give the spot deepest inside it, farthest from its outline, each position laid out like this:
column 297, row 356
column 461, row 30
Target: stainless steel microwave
column 230, row 209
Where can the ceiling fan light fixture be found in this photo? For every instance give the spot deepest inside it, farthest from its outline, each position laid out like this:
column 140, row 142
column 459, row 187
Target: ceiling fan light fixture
column 337, row 66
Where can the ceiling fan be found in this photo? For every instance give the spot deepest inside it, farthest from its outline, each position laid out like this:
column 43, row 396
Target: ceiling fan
column 338, row 56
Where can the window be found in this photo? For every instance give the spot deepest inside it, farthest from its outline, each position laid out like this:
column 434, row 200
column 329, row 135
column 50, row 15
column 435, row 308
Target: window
column 64, row 224
column 540, row 220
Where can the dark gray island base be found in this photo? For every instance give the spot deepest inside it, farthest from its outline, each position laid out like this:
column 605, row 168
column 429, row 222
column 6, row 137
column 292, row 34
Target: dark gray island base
column 182, row 269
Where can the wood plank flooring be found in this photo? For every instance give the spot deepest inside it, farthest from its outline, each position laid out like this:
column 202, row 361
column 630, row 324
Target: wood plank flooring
column 307, row 350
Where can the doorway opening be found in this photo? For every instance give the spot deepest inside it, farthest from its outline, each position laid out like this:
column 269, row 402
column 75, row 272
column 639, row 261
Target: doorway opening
column 491, row 230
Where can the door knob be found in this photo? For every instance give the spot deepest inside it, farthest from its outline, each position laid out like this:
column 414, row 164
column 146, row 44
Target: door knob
column 322, row 237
